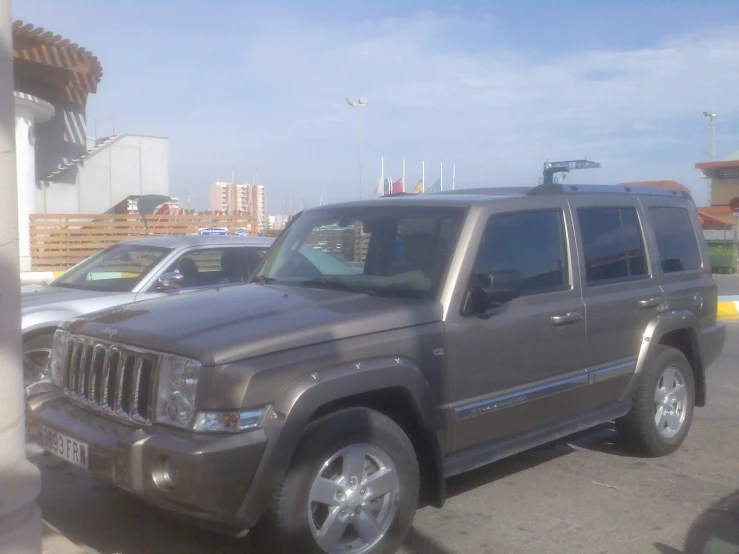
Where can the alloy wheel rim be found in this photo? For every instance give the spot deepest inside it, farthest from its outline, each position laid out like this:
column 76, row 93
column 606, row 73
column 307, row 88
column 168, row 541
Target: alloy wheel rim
column 670, row 402
column 354, row 499
column 35, row 365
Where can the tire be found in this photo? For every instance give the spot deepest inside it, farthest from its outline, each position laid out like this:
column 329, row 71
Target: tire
column 297, row 523
column 667, row 368
column 34, row 366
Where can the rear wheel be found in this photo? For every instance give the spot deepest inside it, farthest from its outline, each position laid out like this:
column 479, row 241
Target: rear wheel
column 663, row 405
column 352, row 487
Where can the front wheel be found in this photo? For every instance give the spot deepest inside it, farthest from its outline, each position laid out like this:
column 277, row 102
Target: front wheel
column 352, row 487
column 36, row 357
column 663, row 405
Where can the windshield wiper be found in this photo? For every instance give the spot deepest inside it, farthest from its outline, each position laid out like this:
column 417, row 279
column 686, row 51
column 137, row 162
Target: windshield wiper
column 396, row 290
column 334, row 284
column 263, row 280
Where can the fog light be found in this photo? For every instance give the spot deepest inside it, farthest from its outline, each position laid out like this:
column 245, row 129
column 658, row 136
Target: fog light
column 165, row 474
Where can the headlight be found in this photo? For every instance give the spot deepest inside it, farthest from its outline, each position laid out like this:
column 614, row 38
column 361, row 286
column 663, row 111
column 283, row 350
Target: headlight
column 56, row 364
column 176, row 389
column 232, row 421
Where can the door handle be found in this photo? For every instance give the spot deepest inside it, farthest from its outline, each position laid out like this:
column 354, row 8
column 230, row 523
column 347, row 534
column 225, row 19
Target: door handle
column 569, row 317
column 650, row 302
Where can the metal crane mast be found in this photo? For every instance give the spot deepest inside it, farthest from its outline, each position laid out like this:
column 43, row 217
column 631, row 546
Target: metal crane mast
column 550, row 168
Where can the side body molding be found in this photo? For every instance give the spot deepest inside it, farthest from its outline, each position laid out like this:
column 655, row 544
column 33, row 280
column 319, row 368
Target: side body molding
column 304, row 396
column 657, row 328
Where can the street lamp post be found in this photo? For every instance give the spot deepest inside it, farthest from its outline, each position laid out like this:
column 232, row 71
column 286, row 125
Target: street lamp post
column 359, row 103
column 20, row 481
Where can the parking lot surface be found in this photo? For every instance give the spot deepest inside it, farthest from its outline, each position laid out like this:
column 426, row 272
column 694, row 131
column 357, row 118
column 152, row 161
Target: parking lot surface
column 586, row 494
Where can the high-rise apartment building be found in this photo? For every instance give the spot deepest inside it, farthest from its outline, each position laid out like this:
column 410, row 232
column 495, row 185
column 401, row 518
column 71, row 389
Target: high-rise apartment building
column 231, row 198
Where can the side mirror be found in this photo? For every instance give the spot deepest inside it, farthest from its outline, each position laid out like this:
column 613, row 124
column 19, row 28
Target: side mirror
column 170, row 280
column 503, row 286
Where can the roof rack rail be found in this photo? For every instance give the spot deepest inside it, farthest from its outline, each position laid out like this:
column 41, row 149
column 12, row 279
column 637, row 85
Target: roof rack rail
column 562, row 189
column 487, row 191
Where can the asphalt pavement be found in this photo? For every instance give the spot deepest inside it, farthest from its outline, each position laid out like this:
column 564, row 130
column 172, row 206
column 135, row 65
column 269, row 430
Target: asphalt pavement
column 728, row 285
column 583, row 495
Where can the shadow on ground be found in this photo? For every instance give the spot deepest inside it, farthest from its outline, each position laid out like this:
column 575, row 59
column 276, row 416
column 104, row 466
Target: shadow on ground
column 715, row 531
column 111, row 521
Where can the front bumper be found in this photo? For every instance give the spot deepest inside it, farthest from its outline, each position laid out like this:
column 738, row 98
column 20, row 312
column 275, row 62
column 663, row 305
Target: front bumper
column 214, row 471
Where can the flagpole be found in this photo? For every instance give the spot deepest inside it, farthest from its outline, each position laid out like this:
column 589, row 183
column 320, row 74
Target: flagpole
column 441, row 176
column 454, row 171
column 423, row 177
column 402, row 179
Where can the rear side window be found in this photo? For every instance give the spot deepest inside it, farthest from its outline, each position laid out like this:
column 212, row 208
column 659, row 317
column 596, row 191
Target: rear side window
column 612, row 243
column 676, row 241
column 532, row 243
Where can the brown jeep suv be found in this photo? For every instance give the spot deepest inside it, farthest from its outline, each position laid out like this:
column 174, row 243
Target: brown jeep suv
column 387, row 345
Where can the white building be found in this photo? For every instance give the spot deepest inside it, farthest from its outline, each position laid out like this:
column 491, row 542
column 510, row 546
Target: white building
column 111, row 170
column 231, row 198
column 59, row 169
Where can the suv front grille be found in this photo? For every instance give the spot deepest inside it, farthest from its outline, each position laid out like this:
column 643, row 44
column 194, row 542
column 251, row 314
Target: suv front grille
column 115, row 379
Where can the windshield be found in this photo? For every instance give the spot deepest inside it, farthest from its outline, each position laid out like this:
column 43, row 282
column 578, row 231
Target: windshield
column 391, row 251
column 118, row 268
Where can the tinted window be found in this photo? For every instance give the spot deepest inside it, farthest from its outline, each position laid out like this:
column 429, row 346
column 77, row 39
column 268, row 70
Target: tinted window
column 532, row 243
column 379, row 250
column 211, row 266
column 676, row 240
column 612, row 243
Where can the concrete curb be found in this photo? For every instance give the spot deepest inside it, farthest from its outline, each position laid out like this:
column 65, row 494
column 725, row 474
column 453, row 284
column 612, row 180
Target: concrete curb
column 728, row 307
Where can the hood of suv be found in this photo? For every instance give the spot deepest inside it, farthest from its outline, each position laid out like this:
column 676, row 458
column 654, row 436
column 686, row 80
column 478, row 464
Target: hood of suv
column 236, row 322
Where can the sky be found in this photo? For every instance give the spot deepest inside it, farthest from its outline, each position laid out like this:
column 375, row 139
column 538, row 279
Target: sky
column 491, row 89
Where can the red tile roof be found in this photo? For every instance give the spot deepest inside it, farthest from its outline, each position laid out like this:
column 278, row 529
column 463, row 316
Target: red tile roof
column 664, row 185
column 716, row 165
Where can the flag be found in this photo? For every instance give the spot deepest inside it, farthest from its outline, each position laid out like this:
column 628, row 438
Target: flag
column 379, row 188
column 387, row 186
column 418, row 188
column 397, row 186
column 436, row 187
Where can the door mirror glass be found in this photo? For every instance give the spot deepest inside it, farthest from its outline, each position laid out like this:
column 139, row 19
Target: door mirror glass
column 171, row 280
column 503, row 286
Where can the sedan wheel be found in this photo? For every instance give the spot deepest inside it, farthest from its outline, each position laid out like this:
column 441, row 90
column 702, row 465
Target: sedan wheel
column 36, row 358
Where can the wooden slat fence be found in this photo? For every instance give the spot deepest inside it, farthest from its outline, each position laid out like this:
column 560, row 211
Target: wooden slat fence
column 60, row 241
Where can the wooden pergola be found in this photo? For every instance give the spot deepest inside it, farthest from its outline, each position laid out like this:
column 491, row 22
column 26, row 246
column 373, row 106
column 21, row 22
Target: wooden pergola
column 51, row 67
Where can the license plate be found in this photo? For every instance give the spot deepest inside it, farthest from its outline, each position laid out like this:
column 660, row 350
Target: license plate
column 69, row 449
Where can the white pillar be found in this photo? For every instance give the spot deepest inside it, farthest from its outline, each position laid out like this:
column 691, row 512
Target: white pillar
column 20, row 482
column 29, row 110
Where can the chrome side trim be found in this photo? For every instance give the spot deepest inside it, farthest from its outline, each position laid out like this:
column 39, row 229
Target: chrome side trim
column 505, row 401
column 587, row 377
column 612, row 372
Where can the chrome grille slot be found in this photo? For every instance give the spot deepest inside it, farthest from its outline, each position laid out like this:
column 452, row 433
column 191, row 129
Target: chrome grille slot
column 109, row 377
column 95, row 389
column 83, row 376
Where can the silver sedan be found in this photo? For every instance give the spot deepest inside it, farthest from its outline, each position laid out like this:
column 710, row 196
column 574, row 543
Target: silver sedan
column 127, row 272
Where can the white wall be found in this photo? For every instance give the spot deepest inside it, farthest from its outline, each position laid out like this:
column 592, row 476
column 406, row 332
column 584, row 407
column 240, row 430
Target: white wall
column 126, row 165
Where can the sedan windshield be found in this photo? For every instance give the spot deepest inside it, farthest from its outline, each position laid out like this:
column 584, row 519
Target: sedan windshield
column 118, row 268
column 382, row 250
